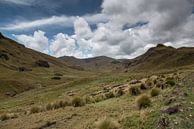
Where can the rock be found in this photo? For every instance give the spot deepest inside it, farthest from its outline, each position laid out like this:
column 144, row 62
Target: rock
column 172, row 110
column 163, row 122
column 10, row 93
column 58, row 74
column 56, row 78
column 135, row 81
column 42, row 63
column 169, row 101
column 22, row 69
column 4, row 56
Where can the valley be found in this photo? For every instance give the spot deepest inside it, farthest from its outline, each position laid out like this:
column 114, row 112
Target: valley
column 152, row 91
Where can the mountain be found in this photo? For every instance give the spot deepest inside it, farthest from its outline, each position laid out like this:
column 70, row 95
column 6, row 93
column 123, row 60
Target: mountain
column 163, row 57
column 159, row 57
column 101, row 63
column 23, row 69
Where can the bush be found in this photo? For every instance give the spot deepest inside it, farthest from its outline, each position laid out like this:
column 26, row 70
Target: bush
column 134, row 90
column 143, row 101
column 155, row 92
column 4, row 117
column 78, row 102
column 35, row 110
column 171, row 82
column 107, row 124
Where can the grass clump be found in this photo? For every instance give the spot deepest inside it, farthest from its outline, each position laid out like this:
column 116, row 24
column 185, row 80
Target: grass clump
column 134, row 90
column 78, row 102
column 109, row 94
column 155, row 92
column 4, row 117
column 119, row 92
column 143, row 101
column 36, row 110
column 100, row 97
column 171, row 82
column 107, row 124
column 89, row 99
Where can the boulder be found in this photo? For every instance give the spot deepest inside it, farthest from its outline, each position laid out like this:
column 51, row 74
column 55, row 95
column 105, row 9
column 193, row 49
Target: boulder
column 172, row 110
column 42, row 63
column 56, row 78
column 10, row 93
column 4, row 56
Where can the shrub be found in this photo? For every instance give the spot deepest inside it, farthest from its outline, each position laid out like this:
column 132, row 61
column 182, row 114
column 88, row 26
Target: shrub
column 171, row 82
column 143, row 101
column 134, row 90
column 4, row 117
column 35, row 110
column 78, row 102
column 155, row 92
column 107, row 124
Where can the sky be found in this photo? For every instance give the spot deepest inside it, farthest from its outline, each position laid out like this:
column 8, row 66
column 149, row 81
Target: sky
column 89, row 28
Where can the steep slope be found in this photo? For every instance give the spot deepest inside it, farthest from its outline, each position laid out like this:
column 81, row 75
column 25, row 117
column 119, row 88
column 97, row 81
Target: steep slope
column 163, row 57
column 101, row 63
column 23, row 69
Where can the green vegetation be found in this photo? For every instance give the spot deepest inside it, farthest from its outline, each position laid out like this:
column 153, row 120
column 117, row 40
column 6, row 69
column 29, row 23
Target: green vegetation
column 171, row 82
column 4, row 117
column 36, row 109
column 78, row 102
column 107, row 123
column 134, row 90
column 155, row 92
column 143, row 101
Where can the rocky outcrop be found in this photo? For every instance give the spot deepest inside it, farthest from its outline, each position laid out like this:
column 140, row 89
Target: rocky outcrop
column 42, row 63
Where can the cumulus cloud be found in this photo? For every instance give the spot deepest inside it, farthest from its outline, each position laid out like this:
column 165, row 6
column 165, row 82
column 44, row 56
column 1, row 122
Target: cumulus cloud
column 37, row 41
column 120, row 32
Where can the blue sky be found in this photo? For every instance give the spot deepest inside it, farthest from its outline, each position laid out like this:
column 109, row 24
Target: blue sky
column 29, row 11
column 89, row 28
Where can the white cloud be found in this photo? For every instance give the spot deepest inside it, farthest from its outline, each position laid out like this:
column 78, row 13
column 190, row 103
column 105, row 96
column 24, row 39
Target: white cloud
column 168, row 21
column 65, row 21
column 82, row 28
column 37, row 41
column 62, row 45
column 21, row 2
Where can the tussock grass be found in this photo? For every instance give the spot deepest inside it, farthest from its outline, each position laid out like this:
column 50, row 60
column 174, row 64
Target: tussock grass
column 134, row 90
column 36, row 109
column 78, row 102
column 119, row 92
column 154, row 92
column 143, row 101
column 4, row 117
column 107, row 123
column 171, row 82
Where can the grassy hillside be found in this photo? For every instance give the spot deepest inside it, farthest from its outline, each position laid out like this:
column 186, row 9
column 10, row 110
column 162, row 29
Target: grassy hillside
column 23, row 69
column 153, row 91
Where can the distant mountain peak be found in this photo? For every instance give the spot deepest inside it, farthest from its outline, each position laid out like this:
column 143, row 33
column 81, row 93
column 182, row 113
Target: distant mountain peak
column 161, row 45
